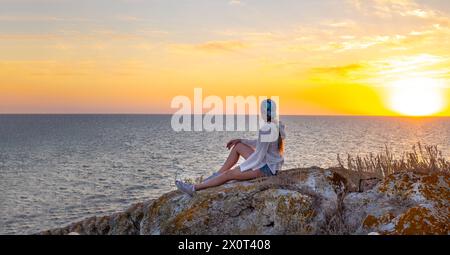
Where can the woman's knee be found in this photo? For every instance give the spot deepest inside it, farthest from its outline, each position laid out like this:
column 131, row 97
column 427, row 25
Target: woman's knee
column 238, row 147
column 242, row 149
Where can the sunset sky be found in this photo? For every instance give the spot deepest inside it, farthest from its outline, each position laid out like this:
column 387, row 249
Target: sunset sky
column 367, row 57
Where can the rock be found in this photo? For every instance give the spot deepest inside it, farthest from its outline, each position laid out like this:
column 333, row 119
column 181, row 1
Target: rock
column 122, row 223
column 403, row 203
column 368, row 184
column 297, row 201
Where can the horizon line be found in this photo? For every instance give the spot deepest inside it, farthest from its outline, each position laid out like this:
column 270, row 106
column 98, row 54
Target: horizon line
column 285, row 115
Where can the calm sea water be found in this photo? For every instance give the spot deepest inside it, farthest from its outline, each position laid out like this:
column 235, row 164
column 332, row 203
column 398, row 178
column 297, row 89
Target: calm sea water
column 55, row 169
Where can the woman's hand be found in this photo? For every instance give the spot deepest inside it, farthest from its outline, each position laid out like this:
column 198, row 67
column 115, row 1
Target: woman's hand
column 232, row 143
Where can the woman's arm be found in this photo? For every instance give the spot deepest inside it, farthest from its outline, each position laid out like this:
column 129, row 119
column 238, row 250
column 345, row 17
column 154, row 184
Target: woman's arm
column 261, row 149
column 249, row 142
column 256, row 158
column 232, row 143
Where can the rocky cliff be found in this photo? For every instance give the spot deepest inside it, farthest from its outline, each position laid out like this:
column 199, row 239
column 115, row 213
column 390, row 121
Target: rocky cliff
column 297, row 201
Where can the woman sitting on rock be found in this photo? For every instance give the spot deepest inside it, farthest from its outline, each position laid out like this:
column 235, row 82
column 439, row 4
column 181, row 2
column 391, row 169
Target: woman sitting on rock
column 263, row 156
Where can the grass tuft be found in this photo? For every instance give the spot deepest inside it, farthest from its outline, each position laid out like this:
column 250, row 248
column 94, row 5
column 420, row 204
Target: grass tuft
column 422, row 159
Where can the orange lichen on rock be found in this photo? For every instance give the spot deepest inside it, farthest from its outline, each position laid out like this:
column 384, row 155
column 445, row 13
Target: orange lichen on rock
column 421, row 221
column 372, row 221
column 436, row 188
column 181, row 220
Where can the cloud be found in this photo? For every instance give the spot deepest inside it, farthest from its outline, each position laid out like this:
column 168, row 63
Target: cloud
column 253, row 36
column 341, row 24
column 419, row 13
column 34, row 18
column 343, row 70
column 422, row 37
column 381, row 71
column 392, row 8
column 235, row 2
column 212, row 46
column 129, row 18
column 410, row 64
column 29, row 37
column 357, row 43
column 28, row 68
column 93, row 35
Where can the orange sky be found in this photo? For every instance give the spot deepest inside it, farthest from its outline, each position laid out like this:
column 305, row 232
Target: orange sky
column 135, row 56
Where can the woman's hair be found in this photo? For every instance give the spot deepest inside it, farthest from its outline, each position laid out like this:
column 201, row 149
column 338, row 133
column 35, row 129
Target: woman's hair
column 280, row 144
column 270, row 110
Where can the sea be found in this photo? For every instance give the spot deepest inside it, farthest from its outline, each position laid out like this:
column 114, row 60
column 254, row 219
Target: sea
column 57, row 169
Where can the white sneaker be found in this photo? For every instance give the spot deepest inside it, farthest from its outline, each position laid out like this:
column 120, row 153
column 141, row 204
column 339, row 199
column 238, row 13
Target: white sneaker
column 185, row 187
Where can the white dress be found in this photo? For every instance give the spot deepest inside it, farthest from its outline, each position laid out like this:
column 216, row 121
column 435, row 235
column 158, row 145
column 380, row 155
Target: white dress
column 265, row 152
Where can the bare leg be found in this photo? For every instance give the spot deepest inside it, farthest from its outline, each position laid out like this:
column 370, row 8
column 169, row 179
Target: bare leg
column 233, row 174
column 239, row 150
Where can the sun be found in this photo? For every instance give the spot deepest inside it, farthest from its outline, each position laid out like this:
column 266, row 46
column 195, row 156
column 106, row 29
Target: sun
column 416, row 96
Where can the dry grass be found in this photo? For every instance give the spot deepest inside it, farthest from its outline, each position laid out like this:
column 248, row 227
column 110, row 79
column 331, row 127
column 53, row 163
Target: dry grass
column 422, row 158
